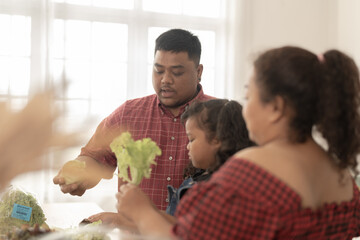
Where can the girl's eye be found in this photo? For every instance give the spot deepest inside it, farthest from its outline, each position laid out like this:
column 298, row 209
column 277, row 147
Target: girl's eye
column 191, row 140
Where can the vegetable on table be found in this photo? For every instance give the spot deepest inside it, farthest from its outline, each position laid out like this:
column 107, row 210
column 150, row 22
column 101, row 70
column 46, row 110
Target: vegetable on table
column 17, row 196
column 136, row 156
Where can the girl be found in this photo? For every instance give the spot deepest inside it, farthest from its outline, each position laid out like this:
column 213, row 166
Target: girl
column 216, row 131
column 290, row 186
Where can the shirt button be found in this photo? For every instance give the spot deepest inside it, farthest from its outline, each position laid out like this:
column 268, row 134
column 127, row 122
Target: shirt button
column 167, row 200
column 168, row 178
column 172, row 138
column 175, row 120
column 170, row 158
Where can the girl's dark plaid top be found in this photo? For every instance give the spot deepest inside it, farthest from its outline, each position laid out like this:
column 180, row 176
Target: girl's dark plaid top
column 244, row 201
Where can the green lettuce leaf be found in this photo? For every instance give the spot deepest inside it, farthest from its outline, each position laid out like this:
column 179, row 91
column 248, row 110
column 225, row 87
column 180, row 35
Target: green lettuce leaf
column 134, row 155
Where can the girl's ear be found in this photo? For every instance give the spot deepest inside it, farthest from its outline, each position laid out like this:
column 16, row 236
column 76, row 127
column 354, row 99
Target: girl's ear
column 216, row 142
column 278, row 107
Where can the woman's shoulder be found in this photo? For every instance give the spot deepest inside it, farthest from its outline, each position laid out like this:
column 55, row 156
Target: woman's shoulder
column 243, row 160
column 246, row 168
column 251, row 180
column 273, row 159
column 267, row 165
column 249, row 153
column 303, row 171
column 256, row 155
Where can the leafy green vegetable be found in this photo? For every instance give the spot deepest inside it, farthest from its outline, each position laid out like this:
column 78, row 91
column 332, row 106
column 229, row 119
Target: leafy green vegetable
column 93, row 232
column 90, row 235
column 97, row 223
column 73, row 171
column 134, row 155
column 17, row 196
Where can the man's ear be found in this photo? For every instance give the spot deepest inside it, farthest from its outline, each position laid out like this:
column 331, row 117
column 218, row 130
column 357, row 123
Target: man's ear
column 199, row 71
column 278, row 106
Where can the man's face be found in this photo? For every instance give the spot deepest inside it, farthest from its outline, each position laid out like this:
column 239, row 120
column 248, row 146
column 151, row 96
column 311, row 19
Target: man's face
column 175, row 78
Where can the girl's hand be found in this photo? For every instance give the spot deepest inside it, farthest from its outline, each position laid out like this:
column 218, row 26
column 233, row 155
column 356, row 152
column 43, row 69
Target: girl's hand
column 132, row 202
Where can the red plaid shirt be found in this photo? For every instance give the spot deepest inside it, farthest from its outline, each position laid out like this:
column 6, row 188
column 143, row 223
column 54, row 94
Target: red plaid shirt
column 243, row 201
column 146, row 117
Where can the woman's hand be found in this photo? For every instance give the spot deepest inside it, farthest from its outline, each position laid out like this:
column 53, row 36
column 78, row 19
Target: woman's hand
column 135, row 205
column 133, row 202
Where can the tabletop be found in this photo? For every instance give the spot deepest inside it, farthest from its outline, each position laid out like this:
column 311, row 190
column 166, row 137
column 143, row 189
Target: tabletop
column 68, row 214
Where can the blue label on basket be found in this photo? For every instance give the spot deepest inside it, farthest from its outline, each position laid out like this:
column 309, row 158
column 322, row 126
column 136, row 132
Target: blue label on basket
column 21, row 212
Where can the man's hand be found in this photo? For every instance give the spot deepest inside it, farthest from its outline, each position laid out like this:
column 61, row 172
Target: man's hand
column 88, row 177
column 76, row 189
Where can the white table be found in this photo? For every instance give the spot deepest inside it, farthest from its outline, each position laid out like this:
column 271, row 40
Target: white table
column 68, row 214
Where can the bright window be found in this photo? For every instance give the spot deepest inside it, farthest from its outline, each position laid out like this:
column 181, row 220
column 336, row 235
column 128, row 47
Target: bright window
column 97, row 54
column 15, row 31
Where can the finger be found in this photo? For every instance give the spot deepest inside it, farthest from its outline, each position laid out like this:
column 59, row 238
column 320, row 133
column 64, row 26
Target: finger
column 95, row 217
column 122, row 188
column 119, row 195
column 125, row 187
column 59, row 180
column 78, row 192
column 68, row 188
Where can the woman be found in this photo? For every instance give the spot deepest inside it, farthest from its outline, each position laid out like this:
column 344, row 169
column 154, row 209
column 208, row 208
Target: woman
column 290, row 186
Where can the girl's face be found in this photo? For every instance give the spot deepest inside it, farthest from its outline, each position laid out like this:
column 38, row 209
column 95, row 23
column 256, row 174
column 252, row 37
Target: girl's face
column 201, row 151
column 255, row 113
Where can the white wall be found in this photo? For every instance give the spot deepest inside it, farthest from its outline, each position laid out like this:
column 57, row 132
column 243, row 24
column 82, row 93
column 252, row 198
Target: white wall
column 307, row 23
column 312, row 24
column 317, row 25
column 349, row 31
column 349, row 28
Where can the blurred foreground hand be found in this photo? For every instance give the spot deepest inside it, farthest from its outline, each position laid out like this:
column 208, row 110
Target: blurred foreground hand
column 26, row 135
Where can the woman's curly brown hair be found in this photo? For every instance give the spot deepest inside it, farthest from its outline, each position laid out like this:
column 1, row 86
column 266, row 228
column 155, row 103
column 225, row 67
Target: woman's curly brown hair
column 323, row 92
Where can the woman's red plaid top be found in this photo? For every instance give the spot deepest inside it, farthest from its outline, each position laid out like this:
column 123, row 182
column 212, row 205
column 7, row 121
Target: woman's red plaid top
column 244, row 201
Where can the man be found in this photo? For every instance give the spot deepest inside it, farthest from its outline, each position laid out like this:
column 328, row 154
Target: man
column 176, row 80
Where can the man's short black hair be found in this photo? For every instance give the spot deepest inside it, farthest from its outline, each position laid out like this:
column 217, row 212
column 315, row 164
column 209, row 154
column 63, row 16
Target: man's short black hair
column 180, row 40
